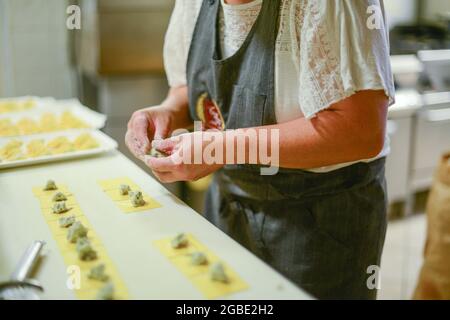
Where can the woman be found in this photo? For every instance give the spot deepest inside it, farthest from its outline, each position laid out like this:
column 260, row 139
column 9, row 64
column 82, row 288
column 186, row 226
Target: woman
column 317, row 72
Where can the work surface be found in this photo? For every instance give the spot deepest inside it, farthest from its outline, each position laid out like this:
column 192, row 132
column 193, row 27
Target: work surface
column 127, row 237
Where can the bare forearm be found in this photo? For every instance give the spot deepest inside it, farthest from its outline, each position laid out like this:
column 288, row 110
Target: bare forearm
column 303, row 145
column 351, row 131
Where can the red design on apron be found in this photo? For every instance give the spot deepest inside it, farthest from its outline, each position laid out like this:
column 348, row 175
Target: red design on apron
column 209, row 113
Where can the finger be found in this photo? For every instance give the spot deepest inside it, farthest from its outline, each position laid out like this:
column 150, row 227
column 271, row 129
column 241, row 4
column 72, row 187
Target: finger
column 166, row 145
column 130, row 142
column 140, row 129
column 161, row 131
column 161, row 164
column 165, row 177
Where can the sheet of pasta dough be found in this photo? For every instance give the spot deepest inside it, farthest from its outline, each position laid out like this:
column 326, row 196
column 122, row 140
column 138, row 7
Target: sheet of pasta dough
column 112, row 188
column 199, row 275
column 88, row 287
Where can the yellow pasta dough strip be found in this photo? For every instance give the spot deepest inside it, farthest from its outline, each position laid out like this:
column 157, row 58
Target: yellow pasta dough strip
column 88, row 287
column 166, row 249
column 58, row 231
column 39, row 191
column 127, row 207
column 215, row 289
column 39, row 147
column 7, row 128
column 27, row 126
column 69, row 121
column 185, row 266
column 112, row 186
column 60, row 145
column 36, row 148
column 47, row 200
column 50, row 216
column 48, row 122
column 85, row 141
column 44, row 195
column 199, row 275
column 47, row 203
column 12, row 150
column 115, row 195
column 14, row 106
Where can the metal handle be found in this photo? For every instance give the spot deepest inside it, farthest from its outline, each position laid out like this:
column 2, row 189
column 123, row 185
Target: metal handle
column 27, row 262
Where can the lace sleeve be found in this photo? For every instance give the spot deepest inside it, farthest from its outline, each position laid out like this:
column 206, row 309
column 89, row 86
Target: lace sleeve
column 178, row 39
column 337, row 53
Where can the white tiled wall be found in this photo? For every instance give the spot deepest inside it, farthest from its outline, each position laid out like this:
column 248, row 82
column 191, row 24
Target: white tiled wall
column 34, row 49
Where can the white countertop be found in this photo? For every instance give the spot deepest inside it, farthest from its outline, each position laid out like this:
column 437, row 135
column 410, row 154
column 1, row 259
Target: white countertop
column 127, row 237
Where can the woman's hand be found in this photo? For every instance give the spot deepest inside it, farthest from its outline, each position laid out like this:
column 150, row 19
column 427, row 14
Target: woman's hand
column 191, row 156
column 157, row 122
column 146, row 125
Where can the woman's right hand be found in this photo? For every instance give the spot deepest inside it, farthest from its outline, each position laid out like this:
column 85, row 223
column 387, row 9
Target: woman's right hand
column 157, row 122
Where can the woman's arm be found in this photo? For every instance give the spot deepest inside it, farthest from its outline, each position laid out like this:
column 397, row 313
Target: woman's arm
column 350, row 130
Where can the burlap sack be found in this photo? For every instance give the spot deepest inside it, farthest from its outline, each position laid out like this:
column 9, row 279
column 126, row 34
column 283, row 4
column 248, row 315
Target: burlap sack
column 434, row 279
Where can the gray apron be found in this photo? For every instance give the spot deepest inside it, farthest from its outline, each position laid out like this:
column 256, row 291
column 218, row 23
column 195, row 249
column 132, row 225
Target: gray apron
column 321, row 230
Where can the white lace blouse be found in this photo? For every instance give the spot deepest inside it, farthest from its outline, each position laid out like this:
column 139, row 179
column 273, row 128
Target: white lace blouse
column 325, row 51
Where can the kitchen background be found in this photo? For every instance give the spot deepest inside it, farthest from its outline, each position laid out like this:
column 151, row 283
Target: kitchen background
column 114, row 65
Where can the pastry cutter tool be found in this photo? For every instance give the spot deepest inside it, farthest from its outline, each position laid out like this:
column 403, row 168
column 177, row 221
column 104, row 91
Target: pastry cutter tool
column 20, row 286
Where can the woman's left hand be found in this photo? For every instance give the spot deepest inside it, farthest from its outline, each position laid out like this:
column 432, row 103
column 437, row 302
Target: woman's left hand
column 191, row 156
